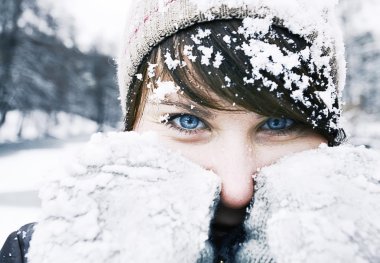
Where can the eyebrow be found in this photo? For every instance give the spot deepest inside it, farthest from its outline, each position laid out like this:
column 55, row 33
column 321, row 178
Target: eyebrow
column 200, row 110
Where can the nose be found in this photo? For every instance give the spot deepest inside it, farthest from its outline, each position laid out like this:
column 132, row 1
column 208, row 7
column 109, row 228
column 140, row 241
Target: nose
column 235, row 165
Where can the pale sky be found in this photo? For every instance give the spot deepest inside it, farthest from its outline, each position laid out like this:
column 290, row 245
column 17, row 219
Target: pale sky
column 96, row 21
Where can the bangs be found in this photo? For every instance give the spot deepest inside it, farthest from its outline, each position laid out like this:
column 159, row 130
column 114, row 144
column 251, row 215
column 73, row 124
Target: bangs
column 202, row 77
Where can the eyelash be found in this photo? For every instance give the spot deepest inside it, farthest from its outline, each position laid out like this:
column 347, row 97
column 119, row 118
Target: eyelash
column 169, row 123
column 294, row 127
column 282, row 132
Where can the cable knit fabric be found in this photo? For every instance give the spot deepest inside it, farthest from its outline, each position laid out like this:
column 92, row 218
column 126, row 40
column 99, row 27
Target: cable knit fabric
column 126, row 200
column 316, row 206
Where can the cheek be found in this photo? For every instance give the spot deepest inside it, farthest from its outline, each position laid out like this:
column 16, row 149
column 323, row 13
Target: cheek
column 197, row 153
column 192, row 151
column 269, row 154
column 144, row 125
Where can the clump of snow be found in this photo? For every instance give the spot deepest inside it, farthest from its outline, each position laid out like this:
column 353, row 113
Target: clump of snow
column 201, row 35
column 227, row 39
column 151, row 68
column 206, row 54
column 163, row 89
column 228, row 81
column 269, row 57
column 256, row 26
column 316, row 206
column 163, row 118
column 328, row 96
column 188, row 51
column 139, row 76
column 173, row 63
column 218, row 60
column 125, row 194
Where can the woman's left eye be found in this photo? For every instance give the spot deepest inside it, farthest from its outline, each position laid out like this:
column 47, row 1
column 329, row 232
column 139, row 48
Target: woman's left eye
column 186, row 122
column 278, row 124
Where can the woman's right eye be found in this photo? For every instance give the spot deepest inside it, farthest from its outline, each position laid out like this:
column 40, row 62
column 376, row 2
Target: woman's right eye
column 185, row 123
column 277, row 124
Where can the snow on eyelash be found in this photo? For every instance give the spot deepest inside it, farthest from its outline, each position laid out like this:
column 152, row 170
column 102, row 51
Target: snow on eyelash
column 164, row 118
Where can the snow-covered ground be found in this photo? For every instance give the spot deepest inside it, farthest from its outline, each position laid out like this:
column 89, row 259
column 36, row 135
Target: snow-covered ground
column 32, row 146
column 23, row 166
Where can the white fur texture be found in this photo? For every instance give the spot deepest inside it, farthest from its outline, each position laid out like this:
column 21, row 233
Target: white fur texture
column 317, row 206
column 127, row 200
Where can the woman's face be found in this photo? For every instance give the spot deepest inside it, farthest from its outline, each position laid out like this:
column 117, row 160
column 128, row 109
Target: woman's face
column 233, row 144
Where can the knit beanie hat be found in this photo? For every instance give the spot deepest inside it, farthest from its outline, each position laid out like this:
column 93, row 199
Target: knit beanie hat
column 151, row 21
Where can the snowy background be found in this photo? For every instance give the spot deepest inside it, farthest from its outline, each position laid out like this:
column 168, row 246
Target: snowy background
column 36, row 137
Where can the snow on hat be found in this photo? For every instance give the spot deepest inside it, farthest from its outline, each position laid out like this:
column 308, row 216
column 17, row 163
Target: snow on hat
column 151, row 21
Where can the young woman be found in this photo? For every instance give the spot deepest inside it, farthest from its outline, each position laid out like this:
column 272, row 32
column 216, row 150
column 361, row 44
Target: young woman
column 233, row 86
column 233, row 94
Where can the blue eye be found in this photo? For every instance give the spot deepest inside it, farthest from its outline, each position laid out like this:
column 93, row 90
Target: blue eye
column 277, row 124
column 187, row 122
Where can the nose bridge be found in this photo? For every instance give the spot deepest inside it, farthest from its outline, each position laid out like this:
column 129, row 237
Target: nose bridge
column 234, row 162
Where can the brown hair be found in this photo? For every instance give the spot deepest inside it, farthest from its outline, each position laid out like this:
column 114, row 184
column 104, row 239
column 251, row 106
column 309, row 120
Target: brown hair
column 198, row 80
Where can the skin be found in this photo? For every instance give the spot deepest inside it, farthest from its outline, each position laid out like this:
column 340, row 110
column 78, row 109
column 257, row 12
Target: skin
column 233, row 144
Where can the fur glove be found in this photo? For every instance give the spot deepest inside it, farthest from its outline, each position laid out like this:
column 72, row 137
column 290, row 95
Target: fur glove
column 127, row 200
column 316, row 206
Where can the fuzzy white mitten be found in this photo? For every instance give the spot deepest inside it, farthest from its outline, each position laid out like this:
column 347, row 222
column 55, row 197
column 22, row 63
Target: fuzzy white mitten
column 316, row 206
column 128, row 200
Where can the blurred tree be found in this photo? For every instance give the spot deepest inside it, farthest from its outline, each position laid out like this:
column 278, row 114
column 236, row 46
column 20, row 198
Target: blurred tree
column 10, row 14
column 100, row 77
column 22, row 22
column 361, row 32
column 40, row 71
